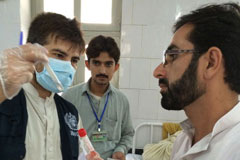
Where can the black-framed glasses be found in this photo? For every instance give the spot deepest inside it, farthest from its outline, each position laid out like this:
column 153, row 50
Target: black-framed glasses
column 172, row 54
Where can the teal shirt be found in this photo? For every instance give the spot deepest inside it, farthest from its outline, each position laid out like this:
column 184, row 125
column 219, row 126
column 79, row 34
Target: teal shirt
column 116, row 120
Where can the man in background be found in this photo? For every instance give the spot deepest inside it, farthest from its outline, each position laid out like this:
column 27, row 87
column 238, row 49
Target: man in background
column 202, row 77
column 36, row 123
column 103, row 108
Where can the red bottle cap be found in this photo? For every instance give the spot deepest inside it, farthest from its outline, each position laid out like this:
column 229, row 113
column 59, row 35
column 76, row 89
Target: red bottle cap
column 82, row 132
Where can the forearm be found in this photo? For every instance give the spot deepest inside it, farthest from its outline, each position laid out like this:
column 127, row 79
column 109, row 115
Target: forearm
column 120, row 148
column 125, row 143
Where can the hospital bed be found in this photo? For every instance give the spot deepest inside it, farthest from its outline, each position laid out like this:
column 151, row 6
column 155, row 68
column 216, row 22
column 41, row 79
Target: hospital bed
column 149, row 136
column 160, row 138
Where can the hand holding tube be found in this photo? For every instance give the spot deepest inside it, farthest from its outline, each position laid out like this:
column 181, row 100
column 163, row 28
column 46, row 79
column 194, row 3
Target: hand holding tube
column 93, row 155
column 17, row 67
column 87, row 147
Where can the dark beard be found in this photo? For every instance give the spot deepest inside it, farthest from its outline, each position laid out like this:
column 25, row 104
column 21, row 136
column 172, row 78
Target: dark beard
column 184, row 91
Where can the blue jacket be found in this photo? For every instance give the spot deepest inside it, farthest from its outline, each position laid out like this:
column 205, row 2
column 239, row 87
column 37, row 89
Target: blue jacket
column 13, row 124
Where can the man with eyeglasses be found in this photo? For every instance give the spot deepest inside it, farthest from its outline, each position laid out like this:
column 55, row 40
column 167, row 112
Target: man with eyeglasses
column 201, row 75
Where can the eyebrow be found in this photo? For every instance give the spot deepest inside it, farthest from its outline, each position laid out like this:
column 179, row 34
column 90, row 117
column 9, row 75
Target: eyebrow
column 110, row 61
column 64, row 53
column 172, row 46
column 102, row 61
column 95, row 60
column 60, row 51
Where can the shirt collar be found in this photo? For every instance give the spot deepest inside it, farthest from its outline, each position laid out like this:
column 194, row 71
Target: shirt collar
column 31, row 90
column 187, row 127
column 231, row 118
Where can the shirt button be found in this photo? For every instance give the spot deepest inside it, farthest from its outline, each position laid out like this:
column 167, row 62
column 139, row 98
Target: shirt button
column 50, row 149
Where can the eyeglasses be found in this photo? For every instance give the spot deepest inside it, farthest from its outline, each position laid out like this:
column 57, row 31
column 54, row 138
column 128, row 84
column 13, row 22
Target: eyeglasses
column 172, row 54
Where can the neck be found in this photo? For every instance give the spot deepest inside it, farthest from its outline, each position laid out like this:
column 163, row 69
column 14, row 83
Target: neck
column 97, row 89
column 207, row 110
column 42, row 92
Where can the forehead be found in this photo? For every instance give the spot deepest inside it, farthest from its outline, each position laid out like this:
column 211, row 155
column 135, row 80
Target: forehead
column 103, row 57
column 63, row 45
column 181, row 36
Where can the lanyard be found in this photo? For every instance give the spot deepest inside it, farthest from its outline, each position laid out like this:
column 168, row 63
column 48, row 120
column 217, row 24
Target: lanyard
column 95, row 114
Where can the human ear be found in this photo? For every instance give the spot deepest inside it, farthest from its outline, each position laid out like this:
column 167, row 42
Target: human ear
column 87, row 64
column 213, row 61
column 116, row 67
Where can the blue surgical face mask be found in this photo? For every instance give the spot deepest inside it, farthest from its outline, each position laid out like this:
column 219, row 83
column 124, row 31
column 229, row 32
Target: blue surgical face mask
column 64, row 72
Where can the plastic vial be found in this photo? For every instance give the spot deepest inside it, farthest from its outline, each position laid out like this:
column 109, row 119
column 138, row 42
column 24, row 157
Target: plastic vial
column 85, row 142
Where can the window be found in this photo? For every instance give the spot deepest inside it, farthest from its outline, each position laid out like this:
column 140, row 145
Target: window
column 99, row 15
column 59, row 6
column 96, row 11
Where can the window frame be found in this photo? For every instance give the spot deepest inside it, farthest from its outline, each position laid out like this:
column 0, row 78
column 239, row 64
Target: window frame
column 116, row 18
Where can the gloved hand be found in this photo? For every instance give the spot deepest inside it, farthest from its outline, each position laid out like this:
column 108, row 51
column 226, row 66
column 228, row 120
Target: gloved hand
column 93, row 155
column 17, row 67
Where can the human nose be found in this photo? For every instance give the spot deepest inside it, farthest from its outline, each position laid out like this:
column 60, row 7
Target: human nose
column 102, row 69
column 159, row 71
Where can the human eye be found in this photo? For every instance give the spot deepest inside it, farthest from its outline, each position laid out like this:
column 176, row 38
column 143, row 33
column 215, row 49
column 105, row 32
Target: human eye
column 75, row 60
column 172, row 54
column 169, row 58
column 96, row 63
column 109, row 64
column 58, row 55
column 173, row 57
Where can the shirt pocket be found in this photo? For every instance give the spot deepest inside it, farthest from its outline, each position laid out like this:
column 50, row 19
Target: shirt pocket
column 113, row 130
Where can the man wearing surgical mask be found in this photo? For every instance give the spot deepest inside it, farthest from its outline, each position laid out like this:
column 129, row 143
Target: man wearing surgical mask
column 36, row 123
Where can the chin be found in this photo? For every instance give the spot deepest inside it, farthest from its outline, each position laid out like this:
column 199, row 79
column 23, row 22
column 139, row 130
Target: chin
column 102, row 83
column 169, row 103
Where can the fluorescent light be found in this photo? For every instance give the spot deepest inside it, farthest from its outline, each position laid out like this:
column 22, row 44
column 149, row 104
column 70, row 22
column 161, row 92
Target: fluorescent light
column 96, row 11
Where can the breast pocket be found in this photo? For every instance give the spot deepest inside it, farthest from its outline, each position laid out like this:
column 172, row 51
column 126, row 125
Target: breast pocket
column 113, row 130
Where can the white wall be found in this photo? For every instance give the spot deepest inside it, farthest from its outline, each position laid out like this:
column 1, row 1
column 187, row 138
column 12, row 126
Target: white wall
column 9, row 23
column 146, row 32
column 15, row 16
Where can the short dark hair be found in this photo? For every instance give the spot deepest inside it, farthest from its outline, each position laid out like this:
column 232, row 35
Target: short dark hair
column 217, row 25
column 58, row 26
column 103, row 44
